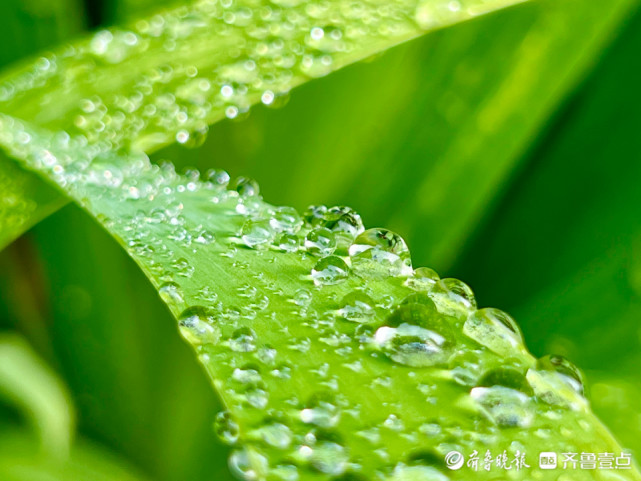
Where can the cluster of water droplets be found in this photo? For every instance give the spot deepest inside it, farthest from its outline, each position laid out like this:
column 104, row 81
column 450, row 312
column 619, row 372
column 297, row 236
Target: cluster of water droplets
column 167, row 77
column 332, row 353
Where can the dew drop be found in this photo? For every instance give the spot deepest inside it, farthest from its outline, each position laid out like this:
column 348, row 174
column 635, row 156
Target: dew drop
column 330, row 270
column 320, row 242
column 226, row 428
column 504, row 406
column 357, row 307
column 423, row 279
column 243, row 340
column 496, row 330
column 257, row 234
column 380, row 253
column 246, row 187
column 197, row 325
column 411, row 345
column 172, row 294
column 286, row 219
column 453, row 297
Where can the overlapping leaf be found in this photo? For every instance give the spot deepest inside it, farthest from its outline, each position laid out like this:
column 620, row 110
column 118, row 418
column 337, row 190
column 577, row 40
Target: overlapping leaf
column 329, row 364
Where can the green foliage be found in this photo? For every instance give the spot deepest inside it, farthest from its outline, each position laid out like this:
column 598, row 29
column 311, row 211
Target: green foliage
column 30, row 385
column 240, row 307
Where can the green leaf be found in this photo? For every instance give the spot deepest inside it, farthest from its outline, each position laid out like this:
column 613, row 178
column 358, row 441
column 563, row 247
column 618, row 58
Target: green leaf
column 28, row 383
column 19, row 461
column 28, row 27
column 116, row 346
column 452, row 112
column 25, row 200
column 578, row 292
column 290, row 339
column 328, row 363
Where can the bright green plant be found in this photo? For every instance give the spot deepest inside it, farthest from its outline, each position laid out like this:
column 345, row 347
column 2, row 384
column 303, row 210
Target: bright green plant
column 334, row 356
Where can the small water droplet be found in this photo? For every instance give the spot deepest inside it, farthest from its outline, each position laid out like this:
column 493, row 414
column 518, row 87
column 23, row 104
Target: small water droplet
column 197, row 325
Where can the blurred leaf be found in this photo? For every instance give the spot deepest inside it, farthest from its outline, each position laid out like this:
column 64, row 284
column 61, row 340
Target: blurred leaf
column 21, row 461
column 25, row 200
column 120, row 86
column 139, row 388
column 561, row 251
column 424, row 138
column 29, row 383
column 166, row 78
column 29, row 26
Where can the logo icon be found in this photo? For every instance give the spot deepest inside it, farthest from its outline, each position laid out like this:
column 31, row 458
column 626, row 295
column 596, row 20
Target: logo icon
column 547, row 460
column 454, row 460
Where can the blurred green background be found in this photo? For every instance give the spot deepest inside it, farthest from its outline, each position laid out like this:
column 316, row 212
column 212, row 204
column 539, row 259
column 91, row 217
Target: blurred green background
column 506, row 150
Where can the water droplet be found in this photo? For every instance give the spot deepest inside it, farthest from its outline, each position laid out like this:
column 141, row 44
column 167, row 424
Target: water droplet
column 320, row 242
column 329, row 458
column 314, row 215
column 453, row 297
column 226, row 428
column 219, row 178
column 423, row 279
column 243, row 340
column 246, row 187
column 287, row 242
column 495, row 330
column 507, row 377
column 204, row 236
column 321, row 410
column 330, row 270
column 257, row 234
column 197, row 325
column 504, row 406
column 412, row 345
column 570, row 374
column 172, row 294
column 380, row 253
column 357, row 307
column 276, row 435
column 557, row 381
column 286, row 219
column 248, row 464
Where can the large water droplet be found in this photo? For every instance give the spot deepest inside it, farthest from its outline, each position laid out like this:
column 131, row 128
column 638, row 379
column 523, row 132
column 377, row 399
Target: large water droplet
column 495, row 330
column 357, row 307
column 246, row 187
column 504, row 406
column 321, row 410
column 330, row 270
column 380, row 253
column 412, row 345
column 453, row 297
column 320, row 242
column 243, row 340
column 257, row 234
column 286, row 219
